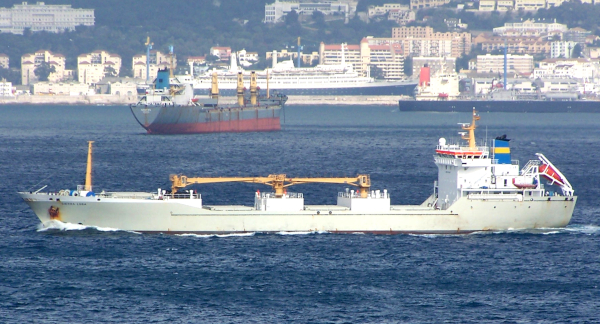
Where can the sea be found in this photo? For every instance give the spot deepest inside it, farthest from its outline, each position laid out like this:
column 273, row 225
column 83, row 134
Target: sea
column 75, row 274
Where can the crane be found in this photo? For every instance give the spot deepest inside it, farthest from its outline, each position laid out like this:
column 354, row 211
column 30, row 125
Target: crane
column 148, row 48
column 277, row 181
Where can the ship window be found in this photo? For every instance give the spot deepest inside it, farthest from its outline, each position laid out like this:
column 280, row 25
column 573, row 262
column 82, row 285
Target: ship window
column 505, row 182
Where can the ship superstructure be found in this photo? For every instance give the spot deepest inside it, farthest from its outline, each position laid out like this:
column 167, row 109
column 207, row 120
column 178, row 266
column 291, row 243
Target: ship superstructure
column 441, row 86
column 479, row 188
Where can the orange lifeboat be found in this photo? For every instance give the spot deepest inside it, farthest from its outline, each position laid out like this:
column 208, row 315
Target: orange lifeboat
column 548, row 172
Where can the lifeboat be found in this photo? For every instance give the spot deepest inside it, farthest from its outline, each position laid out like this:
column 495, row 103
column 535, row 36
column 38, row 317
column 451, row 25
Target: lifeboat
column 194, row 99
column 523, row 185
column 549, row 173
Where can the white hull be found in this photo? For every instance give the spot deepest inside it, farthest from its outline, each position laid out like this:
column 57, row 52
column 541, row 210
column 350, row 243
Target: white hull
column 189, row 216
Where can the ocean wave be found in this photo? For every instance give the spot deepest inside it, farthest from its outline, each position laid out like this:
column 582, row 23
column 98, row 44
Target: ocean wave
column 58, row 225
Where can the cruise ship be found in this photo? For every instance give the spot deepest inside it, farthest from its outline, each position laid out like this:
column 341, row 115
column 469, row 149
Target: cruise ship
column 478, row 188
column 319, row 80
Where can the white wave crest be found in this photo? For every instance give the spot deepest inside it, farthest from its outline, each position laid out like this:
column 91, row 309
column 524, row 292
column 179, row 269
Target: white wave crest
column 584, row 229
column 58, row 225
column 217, row 235
column 302, row 233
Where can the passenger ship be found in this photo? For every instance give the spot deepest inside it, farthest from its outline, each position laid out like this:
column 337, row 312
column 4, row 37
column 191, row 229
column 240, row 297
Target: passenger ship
column 478, row 188
column 319, row 80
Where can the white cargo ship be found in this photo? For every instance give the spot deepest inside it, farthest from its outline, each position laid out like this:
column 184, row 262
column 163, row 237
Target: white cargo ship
column 479, row 188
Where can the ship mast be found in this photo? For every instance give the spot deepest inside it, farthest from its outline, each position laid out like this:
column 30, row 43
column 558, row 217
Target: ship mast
column 471, row 128
column 88, row 172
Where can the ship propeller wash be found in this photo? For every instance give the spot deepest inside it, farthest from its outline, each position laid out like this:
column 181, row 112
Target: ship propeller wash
column 479, row 188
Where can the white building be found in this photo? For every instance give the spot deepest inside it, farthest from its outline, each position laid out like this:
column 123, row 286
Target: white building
column 275, row 12
column 94, row 66
column 29, row 62
column 246, row 59
column 522, row 64
column 529, row 27
column 4, row 60
column 6, row 89
column 61, row 88
column 43, row 17
column 436, row 64
column 373, row 11
column 581, row 69
column 562, row 49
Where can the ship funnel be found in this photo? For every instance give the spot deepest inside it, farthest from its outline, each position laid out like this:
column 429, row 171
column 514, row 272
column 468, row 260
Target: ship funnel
column 214, row 91
column 88, row 171
column 240, row 89
column 274, row 58
column 424, row 76
column 233, row 65
column 253, row 88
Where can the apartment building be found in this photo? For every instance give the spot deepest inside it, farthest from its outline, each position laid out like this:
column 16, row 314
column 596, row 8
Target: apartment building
column 581, row 69
column 4, row 60
column 421, row 4
column 401, row 17
column 43, row 17
column 351, row 54
column 246, row 59
column 29, row 62
column 520, row 64
column 93, row 67
column 530, row 28
column 275, row 12
column 158, row 61
column 373, row 11
column 386, row 57
column 423, row 41
column 530, row 5
column 562, row 49
column 435, row 64
column 6, row 89
column 514, row 45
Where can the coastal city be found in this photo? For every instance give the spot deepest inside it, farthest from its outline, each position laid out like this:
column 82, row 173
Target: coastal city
column 526, row 58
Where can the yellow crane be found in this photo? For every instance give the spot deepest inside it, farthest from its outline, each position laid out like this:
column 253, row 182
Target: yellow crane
column 277, row 181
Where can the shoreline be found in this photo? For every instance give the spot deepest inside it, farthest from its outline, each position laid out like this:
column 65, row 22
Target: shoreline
column 110, row 100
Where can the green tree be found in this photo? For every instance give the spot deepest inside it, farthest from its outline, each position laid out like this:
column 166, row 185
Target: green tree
column 43, row 71
column 110, row 71
column 292, row 18
column 377, row 72
column 319, row 19
column 408, row 66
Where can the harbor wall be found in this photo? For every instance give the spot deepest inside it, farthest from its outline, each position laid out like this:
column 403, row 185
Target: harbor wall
column 125, row 100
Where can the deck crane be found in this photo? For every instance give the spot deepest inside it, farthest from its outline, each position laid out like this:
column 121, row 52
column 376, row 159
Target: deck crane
column 277, row 181
column 148, row 48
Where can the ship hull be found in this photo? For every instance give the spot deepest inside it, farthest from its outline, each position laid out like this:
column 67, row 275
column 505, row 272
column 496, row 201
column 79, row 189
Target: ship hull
column 195, row 120
column 190, row 216
column 499, row 106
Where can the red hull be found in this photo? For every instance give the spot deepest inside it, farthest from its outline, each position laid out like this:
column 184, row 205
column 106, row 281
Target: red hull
column 232, row 126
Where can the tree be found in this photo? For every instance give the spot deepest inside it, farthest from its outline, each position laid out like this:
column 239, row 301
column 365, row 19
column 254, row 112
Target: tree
column 211, row 58
column 377, row 72
column 110, row 71
column 408, row 66
column 577, row 51
column 43, row 71
column 319, row 18
column 291, row 18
